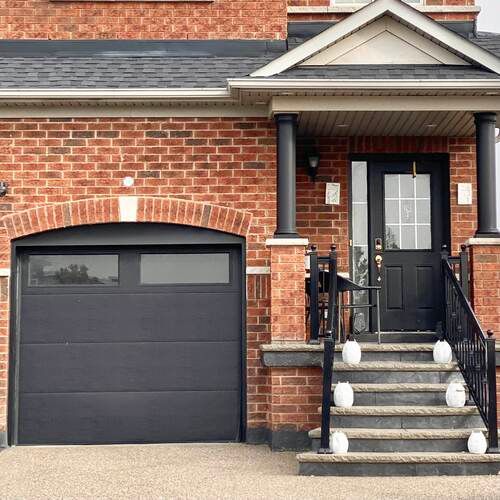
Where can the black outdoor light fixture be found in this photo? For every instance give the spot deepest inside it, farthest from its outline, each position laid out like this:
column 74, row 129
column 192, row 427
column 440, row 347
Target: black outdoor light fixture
column 312, row 164
column 3, row 188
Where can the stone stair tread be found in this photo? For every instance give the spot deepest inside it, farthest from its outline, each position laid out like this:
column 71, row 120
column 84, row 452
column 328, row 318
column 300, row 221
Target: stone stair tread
column 396, row 366
column 399, row 387
column 369, row 433
column 400, row 457
column 365, row 347
column 403, row 410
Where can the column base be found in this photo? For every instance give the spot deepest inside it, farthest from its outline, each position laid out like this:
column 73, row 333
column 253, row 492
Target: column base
column 286, row 235
column 488, row 234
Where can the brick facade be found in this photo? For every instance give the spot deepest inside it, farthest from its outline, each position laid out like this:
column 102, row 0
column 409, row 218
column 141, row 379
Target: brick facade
column 485, row 290
column 222, row 19
column 76, row 166
column 338, row 16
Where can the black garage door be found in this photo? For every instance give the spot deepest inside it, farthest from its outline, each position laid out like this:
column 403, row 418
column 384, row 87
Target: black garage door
column 130, row 345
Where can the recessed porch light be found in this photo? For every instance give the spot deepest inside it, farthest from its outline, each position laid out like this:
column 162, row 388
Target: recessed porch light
column 432, row 125
column 491, row 93
column 342, row 125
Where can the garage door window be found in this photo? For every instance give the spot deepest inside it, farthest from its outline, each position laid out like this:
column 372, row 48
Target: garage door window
column 73, row 270
column 184, row 268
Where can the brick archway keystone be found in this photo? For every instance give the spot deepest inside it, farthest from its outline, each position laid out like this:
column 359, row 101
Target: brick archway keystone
column 139, row 209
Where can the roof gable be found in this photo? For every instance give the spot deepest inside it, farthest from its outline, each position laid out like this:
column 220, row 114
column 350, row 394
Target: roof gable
column 384, row 41
column 409, row 33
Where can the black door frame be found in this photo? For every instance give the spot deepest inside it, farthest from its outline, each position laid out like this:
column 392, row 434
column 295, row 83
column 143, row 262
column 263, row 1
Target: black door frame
column 106, row 235
column 444, row 161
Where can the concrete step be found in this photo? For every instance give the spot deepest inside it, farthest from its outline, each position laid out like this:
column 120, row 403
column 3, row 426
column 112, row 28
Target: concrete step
column 399, row 394
column 405, row 417
column 398, row 464
column 401, row 440
column 391, row 352
column 396, row 372
column 398, row 337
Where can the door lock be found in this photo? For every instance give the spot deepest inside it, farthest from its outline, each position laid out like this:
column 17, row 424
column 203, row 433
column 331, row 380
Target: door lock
column 378, row 262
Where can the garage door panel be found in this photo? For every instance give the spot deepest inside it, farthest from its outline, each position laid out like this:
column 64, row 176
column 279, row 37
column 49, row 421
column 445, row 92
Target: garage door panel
column 130, row 317
column 129, row 417
column 130, row 362
column 130, row 367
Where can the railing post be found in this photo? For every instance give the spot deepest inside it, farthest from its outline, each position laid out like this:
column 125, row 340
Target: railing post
column 331, row 323
column 444, row 261
column 329, row 348
column 464, row 270
column 314, row 295
column 492, row 394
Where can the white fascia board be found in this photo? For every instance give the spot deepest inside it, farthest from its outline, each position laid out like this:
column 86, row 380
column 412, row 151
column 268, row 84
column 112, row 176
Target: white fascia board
column 363, row 84
column 116, row 94
column 368, row 14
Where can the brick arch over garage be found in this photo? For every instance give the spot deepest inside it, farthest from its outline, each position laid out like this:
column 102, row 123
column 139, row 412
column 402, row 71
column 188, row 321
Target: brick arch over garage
column 107, row 210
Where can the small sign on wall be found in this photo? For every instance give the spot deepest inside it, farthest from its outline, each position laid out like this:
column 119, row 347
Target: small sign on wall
column 332, row 193
column 464, row 194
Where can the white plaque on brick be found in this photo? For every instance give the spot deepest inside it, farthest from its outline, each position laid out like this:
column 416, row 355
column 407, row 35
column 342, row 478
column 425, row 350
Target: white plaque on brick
column 464, row 194
column 332, row 193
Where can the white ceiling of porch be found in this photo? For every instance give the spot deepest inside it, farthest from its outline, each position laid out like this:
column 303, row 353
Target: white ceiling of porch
column 386, row 123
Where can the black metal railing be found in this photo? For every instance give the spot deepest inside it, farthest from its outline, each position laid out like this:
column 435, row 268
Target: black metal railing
column 473, row 349
column 460, row 267
column 329, row 349
column 320, row 285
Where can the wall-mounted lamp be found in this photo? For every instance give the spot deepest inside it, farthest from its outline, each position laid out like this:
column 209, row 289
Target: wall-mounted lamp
column 312, row 165
column 3, row 188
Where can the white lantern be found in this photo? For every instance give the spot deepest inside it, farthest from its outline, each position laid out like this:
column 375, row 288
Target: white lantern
column 351, row 352
column 339, row 442
column 442, row 352
column 455, row 395
column 343, row 395
column 477, row 442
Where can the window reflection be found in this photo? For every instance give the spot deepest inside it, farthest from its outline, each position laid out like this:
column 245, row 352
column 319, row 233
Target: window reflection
column 57, row 270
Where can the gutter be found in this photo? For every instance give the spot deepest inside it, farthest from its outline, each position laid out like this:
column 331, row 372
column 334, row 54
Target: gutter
column 187, row 94
column 336, row 84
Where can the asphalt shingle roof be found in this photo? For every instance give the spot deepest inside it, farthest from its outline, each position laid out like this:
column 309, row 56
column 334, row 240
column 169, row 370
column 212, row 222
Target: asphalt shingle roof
column 488, row 41
column 125, row 72
column 373, row 71
column 42, row 65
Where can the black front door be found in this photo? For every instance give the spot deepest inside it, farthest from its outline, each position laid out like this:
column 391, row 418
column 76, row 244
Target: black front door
column 408, row 226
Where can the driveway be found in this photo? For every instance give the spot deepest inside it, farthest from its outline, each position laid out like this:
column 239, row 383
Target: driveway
column 202, row 471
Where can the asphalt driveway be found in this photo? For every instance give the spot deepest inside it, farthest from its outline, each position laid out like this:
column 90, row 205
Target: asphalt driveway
column 202, row 471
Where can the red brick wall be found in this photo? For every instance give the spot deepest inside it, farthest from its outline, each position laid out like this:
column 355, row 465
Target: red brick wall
column 47, row 19
column 258, row 332
column 485, row 293
column 450, row 16
column 288, row 293
column 295, row 398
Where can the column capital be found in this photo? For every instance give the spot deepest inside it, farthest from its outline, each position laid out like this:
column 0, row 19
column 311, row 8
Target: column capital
column 485, row 117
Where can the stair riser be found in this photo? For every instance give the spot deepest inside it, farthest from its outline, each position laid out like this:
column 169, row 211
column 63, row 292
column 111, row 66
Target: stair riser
column 388, row 469
column 402, row 445
column 393, row 377
column 406, row 422
column 399, row 398
column 425, row 356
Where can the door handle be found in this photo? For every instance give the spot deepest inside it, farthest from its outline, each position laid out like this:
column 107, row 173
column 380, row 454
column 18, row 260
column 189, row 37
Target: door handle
column 378, row 263
column 378, row 258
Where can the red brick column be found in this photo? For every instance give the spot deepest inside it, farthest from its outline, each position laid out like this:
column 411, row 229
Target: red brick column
column 485, row 281
column 287, row 289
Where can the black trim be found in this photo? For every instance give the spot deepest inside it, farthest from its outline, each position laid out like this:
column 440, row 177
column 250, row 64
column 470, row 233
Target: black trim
column 280, row 440
column 143, row 234
column 116, row 48
column 307, row 29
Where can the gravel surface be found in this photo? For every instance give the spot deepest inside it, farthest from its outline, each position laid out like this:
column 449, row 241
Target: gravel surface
column 203, row 471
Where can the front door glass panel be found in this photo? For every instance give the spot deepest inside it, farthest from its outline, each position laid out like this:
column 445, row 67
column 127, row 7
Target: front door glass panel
column 407, row 210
